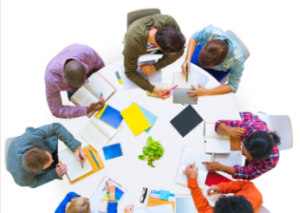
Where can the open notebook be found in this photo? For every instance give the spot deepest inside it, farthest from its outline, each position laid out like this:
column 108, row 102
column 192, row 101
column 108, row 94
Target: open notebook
column 97, row 132
column 157, row 85
column 180, row 80
column 74, row 169
column 91, row 91
column 190, row 156
column 214, row 142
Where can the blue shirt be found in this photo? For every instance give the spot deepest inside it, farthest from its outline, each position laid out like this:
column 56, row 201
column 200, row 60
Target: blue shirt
column 234, row 60
column 111, row 207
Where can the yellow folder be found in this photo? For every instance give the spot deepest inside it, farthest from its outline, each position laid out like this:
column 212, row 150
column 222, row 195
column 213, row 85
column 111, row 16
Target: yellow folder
column 135, row 119
column 152, row 201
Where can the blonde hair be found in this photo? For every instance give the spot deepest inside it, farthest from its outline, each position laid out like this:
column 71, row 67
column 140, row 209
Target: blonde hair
column 79, row 205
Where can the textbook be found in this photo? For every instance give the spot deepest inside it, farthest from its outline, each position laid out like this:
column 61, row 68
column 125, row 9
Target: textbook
column 91, row 91
column 97, row 132
column 190, row 156
column 157, row 85
column 214, row 142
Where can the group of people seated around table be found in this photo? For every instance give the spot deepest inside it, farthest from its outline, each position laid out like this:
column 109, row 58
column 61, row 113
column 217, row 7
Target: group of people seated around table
column 32, row 157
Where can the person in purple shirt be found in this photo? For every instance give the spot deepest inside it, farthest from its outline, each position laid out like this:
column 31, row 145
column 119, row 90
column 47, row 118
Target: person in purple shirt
column 68, row 71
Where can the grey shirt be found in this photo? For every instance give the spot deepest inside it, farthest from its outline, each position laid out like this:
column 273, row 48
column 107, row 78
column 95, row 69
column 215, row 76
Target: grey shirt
column 44, row 137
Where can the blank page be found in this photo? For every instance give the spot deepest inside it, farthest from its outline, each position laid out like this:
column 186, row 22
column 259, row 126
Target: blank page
column 83, row 97
column 97, row 85
column 213, row 145
column 105, row 128
column 180, row 80
column 233, row 159
column 93, row 136
column 74, row 169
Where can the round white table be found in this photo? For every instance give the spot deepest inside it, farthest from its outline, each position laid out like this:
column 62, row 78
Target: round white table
column 128, row 170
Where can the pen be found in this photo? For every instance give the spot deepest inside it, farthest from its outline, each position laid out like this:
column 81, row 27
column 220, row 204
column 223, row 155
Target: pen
column 80, row 158
column 165, row 93
column 94, row 158
column 186, row 69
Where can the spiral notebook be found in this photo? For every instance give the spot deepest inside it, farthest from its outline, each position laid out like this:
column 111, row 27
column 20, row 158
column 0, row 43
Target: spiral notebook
column 159, row 86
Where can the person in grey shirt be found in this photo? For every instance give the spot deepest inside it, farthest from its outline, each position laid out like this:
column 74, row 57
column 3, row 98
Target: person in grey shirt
column 32, row 157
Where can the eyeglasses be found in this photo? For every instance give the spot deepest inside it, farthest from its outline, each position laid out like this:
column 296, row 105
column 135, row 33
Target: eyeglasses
column 144, row 194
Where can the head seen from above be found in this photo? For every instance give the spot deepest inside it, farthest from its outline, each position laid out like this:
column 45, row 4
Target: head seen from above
column 213, row 53
column 230, row 204
column 78, row 205
column 169, row 40
column 259, row 145
column 75, row 73
column 36, row 159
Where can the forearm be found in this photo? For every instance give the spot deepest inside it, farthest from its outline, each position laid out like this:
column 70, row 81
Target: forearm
column 222, row 128
column 223, row 89
column 191, row 48
column 44, row 178
column 139, row 80
column 227, row 169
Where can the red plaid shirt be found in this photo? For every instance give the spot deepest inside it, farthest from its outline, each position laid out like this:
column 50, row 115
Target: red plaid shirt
column 252, row 169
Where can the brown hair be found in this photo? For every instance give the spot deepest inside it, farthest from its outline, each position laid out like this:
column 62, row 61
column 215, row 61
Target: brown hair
column 79, row 205
column 35, row 158
column 213, row 53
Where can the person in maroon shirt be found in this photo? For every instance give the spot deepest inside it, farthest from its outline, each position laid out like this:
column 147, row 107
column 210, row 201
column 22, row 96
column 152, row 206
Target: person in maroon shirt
column 259, row 146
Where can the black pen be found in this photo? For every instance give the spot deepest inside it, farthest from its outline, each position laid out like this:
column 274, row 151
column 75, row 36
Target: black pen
column 186, row 69
column 80, row 158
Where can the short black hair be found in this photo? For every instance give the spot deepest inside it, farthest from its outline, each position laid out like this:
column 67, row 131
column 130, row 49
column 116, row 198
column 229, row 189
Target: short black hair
column 260, row 144
column 170, row 39
column 232, row 204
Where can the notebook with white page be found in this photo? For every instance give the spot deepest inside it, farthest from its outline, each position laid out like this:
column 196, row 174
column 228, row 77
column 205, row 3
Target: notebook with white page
column 190, row 156
column 214, row 142
column 159, row 86
column 155, row 209
column 91, row 91
column 74, row 169
column 180, row 80
column 97, row 132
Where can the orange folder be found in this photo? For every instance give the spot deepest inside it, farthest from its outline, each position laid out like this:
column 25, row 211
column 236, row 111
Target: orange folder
column 152, row 201
column 92, row 162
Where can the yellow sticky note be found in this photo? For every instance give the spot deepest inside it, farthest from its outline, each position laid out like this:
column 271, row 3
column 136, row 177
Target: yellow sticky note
column 100, row 112
column 135, row 119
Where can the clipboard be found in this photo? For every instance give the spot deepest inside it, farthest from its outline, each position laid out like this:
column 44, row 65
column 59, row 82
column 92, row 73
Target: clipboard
column 90, row 158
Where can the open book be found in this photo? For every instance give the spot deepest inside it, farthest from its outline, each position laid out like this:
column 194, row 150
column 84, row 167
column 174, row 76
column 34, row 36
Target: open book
column 214, row 142
column 157, row 85
column 97, row 132
column 74, row 169
column 91, row 91
column 190, row 156
column 180, row 80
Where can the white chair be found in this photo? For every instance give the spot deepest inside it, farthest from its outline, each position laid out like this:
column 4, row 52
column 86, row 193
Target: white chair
column 263, row 210
column 246, row 52
column 7, row 145
column 282, row 125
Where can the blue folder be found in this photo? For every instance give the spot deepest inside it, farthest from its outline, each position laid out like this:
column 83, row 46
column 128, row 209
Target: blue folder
column 112, row 116
column 112, row 151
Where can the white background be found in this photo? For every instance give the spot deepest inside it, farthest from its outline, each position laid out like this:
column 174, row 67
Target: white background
column 32, row 32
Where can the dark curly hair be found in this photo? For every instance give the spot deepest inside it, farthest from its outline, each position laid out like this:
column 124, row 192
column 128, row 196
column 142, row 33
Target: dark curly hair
column 232, row 204
column 169, row 39
column 260, row 144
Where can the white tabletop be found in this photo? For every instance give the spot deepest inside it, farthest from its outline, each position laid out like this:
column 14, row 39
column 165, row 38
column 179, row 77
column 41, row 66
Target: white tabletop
column 128, row 170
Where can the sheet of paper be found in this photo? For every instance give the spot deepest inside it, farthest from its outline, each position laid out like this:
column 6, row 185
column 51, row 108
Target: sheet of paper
column 185, row 204
column 105, row 128
column 203, row 79
column 83, row 97
column 234, row 158
column 103, row 205
column 180, row 80
column 74, row 168
column 93, row 135
column 159, row 209
column 216, row 145
column 97, row 85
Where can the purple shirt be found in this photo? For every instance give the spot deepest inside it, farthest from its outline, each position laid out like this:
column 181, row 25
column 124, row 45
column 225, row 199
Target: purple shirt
column 55, row 81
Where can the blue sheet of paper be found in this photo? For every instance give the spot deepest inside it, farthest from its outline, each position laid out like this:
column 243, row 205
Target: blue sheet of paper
column 112, row 116
column 112, row 151
column 151, row 118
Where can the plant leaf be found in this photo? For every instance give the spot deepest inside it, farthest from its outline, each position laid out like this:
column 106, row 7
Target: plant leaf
column 141, row 157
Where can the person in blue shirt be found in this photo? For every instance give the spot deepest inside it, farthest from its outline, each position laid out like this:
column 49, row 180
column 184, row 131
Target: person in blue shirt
column 213, row 51
column 74, row 203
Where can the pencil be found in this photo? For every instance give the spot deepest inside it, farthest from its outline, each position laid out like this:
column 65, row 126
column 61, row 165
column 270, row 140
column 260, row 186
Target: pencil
column 186, row 69
column 80, row 158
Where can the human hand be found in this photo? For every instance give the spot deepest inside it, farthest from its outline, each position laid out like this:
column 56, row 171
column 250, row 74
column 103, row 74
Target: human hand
column 200, row 91
column 83, row 155
column 213, row 166
column 110, row 187
column 147, row 69
column 95, row 106
column 213, row 190
column 183, row 67
column 160, row 92
column 129, row 209
column 61, row 169
column 236, row 131
column 190, row 171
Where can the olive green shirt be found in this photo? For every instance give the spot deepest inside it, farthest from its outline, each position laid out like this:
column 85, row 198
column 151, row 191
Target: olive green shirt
column 136, row 40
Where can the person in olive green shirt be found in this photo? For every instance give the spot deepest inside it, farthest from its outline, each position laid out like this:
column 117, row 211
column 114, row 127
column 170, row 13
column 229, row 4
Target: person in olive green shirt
column 157, row 32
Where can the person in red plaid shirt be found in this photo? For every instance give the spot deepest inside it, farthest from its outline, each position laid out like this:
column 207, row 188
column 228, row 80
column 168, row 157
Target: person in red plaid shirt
column 259, row 146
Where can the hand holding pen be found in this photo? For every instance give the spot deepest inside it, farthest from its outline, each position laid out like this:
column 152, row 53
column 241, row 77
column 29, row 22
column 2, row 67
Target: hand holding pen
column 97, row 105
column 80, row 156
